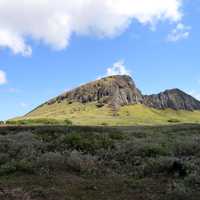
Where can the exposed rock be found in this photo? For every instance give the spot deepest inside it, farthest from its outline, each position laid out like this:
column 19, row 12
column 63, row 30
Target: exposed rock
column 175, row 99
column 112, row 90
column 121, row 90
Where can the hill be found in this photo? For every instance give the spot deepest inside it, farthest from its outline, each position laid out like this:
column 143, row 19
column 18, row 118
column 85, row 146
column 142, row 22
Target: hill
column 115, row 100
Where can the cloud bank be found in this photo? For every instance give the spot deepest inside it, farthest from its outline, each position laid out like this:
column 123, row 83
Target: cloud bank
column 3, row 79
column 53, row 22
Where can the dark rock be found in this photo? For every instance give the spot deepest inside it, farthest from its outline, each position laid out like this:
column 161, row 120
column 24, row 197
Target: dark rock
column 120, row 90
column 113, row 90
column 174, row 99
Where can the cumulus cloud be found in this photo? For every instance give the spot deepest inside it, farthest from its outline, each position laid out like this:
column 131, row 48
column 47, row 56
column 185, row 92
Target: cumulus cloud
column 3, row 78
column 14, row 42
column 53, row 22
column 180, row 32
column 118, row 68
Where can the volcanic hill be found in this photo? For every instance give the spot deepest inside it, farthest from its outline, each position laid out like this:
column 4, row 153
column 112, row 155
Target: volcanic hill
column 115, row 100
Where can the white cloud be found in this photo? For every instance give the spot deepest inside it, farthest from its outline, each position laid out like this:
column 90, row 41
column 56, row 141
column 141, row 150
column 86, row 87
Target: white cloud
column 118, row 68
column 180, row 32
column 14, row 42
column 53, row 22
column 3, row 78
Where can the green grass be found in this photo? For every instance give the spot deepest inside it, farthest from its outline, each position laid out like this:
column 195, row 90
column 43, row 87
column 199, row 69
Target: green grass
column 90, row 114
column 39, row 121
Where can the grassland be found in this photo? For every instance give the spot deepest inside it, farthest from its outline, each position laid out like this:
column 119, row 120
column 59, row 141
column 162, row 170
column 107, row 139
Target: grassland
column 100, row 163
column 90, row 114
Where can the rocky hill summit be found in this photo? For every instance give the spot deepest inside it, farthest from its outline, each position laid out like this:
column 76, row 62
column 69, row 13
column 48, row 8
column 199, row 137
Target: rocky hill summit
column 113, row 91
column 174, row 99
column 120, row 90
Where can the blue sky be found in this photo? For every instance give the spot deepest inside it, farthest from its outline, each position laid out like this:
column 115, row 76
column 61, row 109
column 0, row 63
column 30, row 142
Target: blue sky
column 159, row 54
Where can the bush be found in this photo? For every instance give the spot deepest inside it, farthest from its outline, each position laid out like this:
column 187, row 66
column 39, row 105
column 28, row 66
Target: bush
column 19, row 152
column 193, row 180
column 25, row 166
column 50, row 161
column 67, row 122
column 82, row 163
column 189, row 146
column 174, row 121
column 88, row 143
column 4, row 157
column 8, row 168
column 104, row 124
column 17, row 166
column 99, row 104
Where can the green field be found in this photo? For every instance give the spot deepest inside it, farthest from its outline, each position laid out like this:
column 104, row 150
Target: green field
column 90, row 114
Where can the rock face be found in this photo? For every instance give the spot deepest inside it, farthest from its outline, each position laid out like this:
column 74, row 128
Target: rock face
column 112, row 90
column 121, row 90
column 175, row 99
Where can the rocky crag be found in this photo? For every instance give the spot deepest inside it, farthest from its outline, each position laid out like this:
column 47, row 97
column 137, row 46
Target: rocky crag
column 120, row 90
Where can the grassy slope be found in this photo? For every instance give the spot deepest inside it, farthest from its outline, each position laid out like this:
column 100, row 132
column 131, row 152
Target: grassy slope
column 89, row 114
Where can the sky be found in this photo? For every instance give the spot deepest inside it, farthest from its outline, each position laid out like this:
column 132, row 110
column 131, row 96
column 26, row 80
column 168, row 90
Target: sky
column 48, row 47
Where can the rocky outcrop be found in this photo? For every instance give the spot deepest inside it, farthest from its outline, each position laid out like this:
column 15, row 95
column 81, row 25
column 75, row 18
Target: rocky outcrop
column 121, row 90
column 174, row 99
column 112, row 90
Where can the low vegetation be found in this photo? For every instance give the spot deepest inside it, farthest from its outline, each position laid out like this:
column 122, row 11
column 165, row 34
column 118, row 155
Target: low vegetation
column 39, row 121
column 95, row 114
column 67, row 162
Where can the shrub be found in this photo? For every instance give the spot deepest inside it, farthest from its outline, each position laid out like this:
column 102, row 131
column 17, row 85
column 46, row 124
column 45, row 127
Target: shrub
column 152, row 150
column 82, row 163
column 88, row 143
column 104, row 124
column 189, row 146
column 25, row 166
column 174, row 121
column 67, row 122
column 8, row 168
column 193, row 180
column 99, row 104
column 4, row 157
column 17, row 166
column 117, row 136
column 50, row 161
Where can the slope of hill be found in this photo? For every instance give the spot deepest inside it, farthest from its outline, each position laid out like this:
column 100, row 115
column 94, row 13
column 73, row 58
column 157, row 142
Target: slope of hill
column 115, row 100
column 90, row 114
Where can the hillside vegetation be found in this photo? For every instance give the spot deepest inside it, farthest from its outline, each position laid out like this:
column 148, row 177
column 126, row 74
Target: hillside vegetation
column 91, row 114
column 100, row 163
